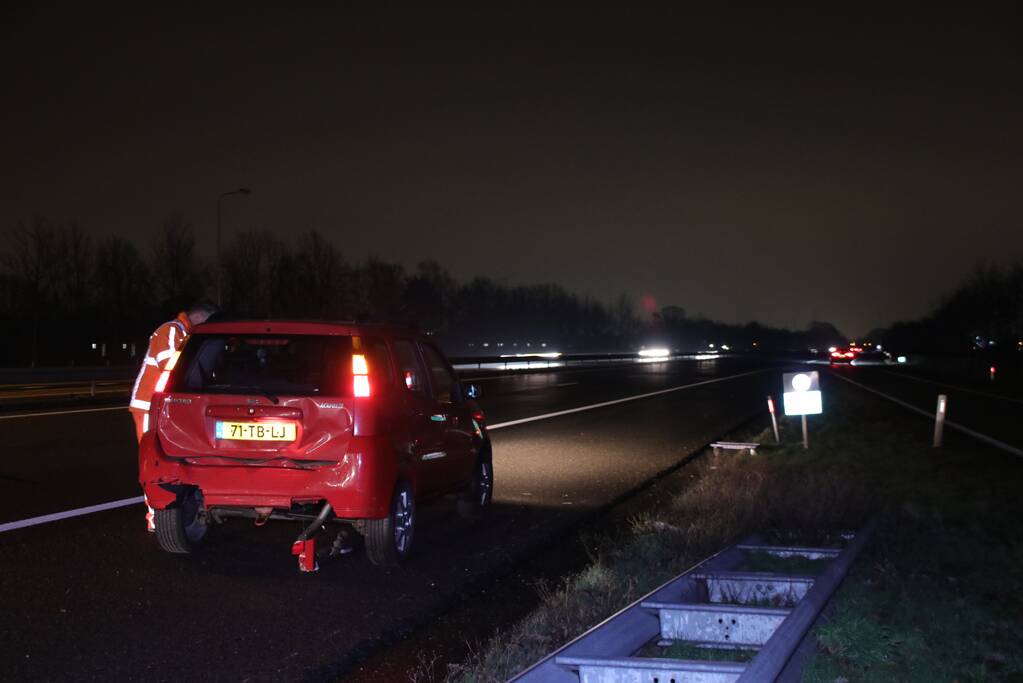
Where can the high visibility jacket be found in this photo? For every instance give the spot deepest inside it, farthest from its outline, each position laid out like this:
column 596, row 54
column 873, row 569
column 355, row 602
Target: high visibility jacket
column 163, row 343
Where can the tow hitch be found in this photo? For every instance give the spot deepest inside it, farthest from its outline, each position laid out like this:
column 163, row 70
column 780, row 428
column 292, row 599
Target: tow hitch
column 305, row 545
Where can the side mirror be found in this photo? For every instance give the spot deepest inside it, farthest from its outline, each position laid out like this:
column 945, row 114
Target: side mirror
column 473, row 391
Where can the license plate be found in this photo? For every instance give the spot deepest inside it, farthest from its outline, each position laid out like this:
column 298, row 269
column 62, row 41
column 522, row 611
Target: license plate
column 256, row 431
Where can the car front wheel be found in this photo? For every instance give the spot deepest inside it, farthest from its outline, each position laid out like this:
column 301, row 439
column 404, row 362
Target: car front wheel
column 389, row 540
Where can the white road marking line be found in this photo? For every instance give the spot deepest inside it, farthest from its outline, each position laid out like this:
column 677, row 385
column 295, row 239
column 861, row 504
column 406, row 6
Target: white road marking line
column 954, row 425
column 953, row 386
column 44, row 519
column 62, row 412
column 593, row 406
column 78, row 512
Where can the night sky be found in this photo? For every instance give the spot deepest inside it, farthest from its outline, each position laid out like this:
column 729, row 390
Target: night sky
column 743, row 164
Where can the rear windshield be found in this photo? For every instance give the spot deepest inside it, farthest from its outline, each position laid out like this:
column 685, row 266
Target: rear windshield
column 291, row 365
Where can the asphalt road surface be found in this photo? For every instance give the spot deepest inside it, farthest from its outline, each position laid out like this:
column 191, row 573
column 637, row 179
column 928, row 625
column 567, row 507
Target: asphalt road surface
column 93, row 597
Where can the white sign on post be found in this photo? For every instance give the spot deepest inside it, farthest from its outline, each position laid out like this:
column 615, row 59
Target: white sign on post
column 802, row 393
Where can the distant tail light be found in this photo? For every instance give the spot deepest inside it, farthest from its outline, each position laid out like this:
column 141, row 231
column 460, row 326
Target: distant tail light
column 360, row 376
column 478, row 415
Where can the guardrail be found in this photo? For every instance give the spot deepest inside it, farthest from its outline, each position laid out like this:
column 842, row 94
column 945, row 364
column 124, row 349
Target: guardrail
column 709, row 606
column 539, row 362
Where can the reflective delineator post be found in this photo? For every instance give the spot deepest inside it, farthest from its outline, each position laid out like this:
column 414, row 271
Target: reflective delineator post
column 774, row 419
column 939, row 420
column 806, row 439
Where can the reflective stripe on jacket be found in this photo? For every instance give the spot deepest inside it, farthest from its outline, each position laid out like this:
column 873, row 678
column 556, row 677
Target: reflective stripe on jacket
column 167, row 339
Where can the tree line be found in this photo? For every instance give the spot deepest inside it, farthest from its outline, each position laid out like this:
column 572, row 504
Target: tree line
column 983, row 315
column 68, row 298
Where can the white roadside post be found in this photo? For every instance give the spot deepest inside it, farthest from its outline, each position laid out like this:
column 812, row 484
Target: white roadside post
column 939, row 420
column 774, row 419
column 802, row 397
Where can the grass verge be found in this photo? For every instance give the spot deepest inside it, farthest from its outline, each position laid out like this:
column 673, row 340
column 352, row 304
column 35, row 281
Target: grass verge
column 936, row 596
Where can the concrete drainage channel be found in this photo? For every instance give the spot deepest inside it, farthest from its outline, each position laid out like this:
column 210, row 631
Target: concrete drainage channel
column 718, row 605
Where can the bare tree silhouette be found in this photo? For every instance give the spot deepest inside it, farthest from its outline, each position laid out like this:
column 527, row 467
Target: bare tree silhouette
column 32, row 258
column 177, row 272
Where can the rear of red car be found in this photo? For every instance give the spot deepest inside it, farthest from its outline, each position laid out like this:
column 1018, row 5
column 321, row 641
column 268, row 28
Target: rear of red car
column 319, row 422
column 272, row 420
column 270, row 417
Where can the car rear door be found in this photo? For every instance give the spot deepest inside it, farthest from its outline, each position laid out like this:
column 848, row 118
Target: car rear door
column 453, row 414
column 426, row 427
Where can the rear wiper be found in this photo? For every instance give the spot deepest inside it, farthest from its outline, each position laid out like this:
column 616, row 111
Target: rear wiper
column 246, row 388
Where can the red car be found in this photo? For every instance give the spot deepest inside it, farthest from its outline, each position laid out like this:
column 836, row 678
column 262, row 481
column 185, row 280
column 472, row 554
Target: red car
column 345, row 423
column 844, row 355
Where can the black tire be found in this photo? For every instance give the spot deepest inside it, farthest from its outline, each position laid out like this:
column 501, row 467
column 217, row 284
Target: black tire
column 181, row 527
column 479, row 492
column 389, row 540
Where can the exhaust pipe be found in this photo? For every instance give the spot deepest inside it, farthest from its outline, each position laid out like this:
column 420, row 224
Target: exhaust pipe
column 263, row 515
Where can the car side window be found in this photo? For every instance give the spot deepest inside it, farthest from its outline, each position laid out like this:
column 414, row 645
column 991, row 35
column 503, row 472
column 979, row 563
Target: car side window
column 411, row 370
column 379, row 360
column 445, row 386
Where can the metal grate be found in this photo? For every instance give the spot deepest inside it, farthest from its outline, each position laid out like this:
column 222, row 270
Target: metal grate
column 713, row 605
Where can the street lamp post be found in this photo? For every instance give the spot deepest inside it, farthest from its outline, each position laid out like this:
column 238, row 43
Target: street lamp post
column 240, row 190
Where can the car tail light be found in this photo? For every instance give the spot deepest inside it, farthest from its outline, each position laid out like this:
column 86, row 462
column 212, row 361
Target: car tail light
column 478, row 415
column 360, row 375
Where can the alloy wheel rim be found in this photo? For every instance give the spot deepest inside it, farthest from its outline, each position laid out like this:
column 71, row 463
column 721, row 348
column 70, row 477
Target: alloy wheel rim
column 403, row 521
column 485, row 483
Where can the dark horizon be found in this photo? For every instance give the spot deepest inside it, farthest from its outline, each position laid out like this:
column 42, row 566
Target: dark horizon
column 771, row 165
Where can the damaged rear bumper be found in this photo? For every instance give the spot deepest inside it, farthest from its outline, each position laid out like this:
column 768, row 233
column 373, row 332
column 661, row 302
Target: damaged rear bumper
column 357, row 487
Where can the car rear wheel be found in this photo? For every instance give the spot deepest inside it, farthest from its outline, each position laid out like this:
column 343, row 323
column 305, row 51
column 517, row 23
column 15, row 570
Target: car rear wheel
column 389, row 540
column 181, row 527
column 475, row 500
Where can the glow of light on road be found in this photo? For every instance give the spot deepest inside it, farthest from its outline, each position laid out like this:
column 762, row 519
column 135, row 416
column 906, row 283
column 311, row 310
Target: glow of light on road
column 654, row 353
column 637, row 397
column 544, row 354
column 706, row 356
